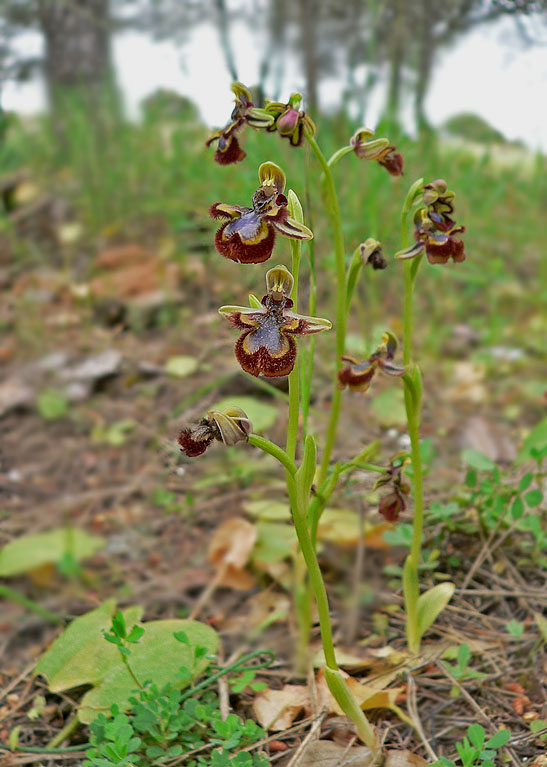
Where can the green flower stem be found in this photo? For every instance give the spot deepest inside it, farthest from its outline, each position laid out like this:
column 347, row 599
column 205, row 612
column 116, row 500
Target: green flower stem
column 307, row 358
column 294, row 382
column 335, row 680
column 14, row 596
column 274, row 450
column 413, row 408
column 65, row 733
column 342, row 152
column 333, row 210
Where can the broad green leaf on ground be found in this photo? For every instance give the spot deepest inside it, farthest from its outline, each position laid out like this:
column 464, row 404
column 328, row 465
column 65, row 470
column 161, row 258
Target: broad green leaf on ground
column 92, row 661
column 431, row 603
column 269, row 511
column 81, row 631
column 261, row 414
column 158, row 657
column 51, row 404
column 478, row 460
column 389, row 406
column 181, row 366
column 32, row 551
column 81, row 655
column 536, row 439
column 274, row 542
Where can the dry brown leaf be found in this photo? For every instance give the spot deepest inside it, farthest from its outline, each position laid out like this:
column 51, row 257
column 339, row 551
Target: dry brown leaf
column 325, row 753
column 404, row 759
column 277, row 709
column 230, row 550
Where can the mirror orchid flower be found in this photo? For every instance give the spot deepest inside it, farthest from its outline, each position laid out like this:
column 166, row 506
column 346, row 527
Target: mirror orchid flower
column 371, row 253
column 248, row 237
column 439, row 246
column 229, row 426
column 267, row 345
column 358, row 375
column 440, row 203
column 289, row 121
column 392, row 504
column 228, row 149
column 366, row 147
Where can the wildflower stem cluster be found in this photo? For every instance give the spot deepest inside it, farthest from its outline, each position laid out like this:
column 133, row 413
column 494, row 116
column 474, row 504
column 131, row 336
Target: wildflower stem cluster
column 267, row 347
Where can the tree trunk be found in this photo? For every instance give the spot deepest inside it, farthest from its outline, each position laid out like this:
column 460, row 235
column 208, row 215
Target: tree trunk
column 426, row 52
column 397, row 58
column 225, row 41
column 77, row 35
column 309, row 11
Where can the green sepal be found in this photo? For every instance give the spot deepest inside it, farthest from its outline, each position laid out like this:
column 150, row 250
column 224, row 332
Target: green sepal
column 431, row 604
column 295, row 207
column 414, row 194
column 255, row 302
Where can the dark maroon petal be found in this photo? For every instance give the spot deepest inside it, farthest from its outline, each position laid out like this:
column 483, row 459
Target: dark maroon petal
column 229, row 151
column 393, row 163
column 357, row 377
column 392, row 505
column 262, row 361
column 244, row 252
column 439, row 252
column 195, row 441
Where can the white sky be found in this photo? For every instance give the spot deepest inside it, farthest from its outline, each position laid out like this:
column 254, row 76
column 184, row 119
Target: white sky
column 504, row 83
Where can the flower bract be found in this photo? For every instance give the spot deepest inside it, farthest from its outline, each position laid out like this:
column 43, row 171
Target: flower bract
column 366, row 147
column 289, row 120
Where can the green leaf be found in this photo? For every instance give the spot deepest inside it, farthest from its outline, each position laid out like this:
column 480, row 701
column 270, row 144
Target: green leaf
column 389, row 408
column 74, row 637
column 432, row 603
column 158, row 658
column 533, row 498
column 261, row 414
column 541, row 623
column 464, row 656
column 88, row 658
column 181, row 366
column 477, row 460
column 525, row 482
column 82, row 656
column 517, row 508
column 498, row 740
column 51, row 404
column 476, row 735
column 32, row 551
column 274, row 542
column 536, row 439
column 269, row 511
column 515, row 628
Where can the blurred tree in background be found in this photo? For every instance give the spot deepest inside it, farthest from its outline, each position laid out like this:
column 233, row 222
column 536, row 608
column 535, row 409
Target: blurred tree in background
column 363, row 43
